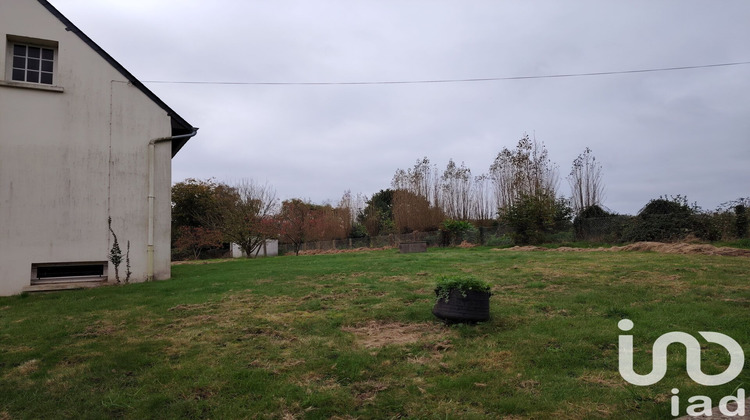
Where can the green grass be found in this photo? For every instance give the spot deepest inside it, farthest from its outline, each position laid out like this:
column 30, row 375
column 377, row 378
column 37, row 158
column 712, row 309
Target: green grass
column 737, row 243
column 287, row 337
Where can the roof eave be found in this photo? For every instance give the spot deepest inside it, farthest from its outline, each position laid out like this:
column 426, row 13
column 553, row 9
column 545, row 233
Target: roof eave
column 179, row 124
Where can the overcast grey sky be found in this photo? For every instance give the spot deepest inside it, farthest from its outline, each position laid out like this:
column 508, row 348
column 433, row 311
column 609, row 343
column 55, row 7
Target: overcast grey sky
column 674, row 132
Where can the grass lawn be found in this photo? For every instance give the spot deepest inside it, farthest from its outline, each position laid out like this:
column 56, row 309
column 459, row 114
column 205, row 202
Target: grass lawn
column 352, row 336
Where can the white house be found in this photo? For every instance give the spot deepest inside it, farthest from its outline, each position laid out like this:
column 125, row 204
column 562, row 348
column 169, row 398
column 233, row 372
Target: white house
column 81, row 141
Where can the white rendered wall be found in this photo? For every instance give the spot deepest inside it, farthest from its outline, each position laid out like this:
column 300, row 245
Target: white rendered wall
column 71, row 159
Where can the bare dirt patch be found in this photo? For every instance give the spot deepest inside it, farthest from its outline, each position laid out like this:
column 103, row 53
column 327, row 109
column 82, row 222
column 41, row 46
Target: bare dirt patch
column 16, row 349
column 199, row 320
column 522, row 248
column 366, row 391
column 685, row 248
column 395, row 279
column 190, row 307
column 375, row 334
column 661, row 247
column 98, row 329
column 24, row 369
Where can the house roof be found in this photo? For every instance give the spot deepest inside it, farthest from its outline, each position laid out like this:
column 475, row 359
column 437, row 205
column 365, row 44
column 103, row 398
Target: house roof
column 179, row 125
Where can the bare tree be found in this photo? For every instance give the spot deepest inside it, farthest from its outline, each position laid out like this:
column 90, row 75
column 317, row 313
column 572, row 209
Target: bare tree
column 348, row 207
column 421, row 180
column 457, row 191
column 502, row 174
column 482, row 204
column 459, row 195
column 585, row 181
column 525, row 171
column 247, row 215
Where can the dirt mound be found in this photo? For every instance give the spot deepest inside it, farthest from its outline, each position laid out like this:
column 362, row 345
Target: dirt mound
column 685, row 248
column 340, row 251
column 661, row 247
column 571, row 249
column 523, row 248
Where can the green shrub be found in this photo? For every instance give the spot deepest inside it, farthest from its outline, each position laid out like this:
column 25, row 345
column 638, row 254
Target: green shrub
column 741, row 222
column 463, row 284
column 456, row 231
column 533, row 218
column 662, row 219
column 707, row 226
column 498, row 240
column 457, row 225
column 677, row 205
column 724, row 221
column 581, row 225
column 359, row 231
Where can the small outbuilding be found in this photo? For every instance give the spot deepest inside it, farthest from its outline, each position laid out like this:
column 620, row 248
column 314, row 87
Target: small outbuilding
column 269, row 248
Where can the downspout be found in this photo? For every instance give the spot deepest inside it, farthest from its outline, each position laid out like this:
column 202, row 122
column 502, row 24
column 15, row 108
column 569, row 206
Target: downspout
column 151, row 197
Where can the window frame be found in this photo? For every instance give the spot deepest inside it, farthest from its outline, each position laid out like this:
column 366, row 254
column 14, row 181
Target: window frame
column 65, row 276
column 32, row 64
column 11, row 42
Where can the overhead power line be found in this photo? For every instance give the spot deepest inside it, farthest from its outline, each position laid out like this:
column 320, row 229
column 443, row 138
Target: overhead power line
column 472, row 80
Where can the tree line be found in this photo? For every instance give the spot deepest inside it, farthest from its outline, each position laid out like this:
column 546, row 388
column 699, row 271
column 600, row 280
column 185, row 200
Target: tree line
column 209, row 214
column 520, row 192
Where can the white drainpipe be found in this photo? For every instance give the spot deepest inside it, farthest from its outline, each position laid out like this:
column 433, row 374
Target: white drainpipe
column 151, row 197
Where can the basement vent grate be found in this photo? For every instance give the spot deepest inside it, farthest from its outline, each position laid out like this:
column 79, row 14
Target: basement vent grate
column 68, row 271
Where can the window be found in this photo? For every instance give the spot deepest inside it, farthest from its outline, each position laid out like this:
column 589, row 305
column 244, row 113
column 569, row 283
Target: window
column 67, row 272
column 87, row 270
column 32, row 63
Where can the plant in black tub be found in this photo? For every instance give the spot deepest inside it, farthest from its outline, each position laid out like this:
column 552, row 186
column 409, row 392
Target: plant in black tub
column 462, row 299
